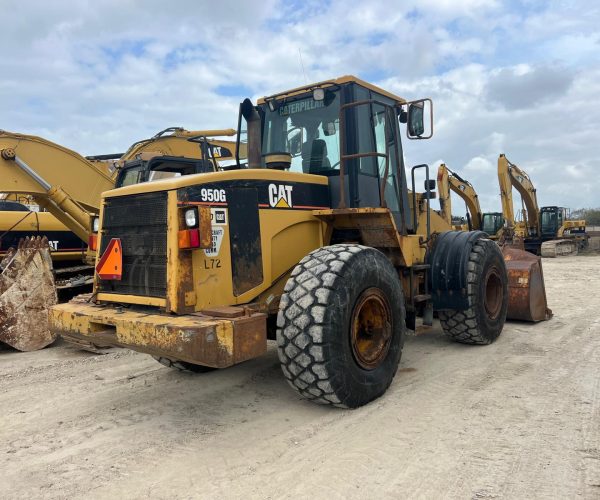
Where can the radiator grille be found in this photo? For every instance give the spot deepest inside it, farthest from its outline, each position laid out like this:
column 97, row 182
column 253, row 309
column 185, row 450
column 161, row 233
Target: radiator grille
column 140, row 221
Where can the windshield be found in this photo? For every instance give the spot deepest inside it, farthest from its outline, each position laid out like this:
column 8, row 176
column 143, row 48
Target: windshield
column 492, row 223
column 308, row 130
column 549, row 222
column 159, row 168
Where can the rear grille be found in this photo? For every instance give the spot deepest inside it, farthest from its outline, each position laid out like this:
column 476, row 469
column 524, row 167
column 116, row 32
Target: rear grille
column 140, row 221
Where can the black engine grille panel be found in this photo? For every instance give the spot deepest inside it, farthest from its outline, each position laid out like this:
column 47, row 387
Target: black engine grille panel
column 140, row 221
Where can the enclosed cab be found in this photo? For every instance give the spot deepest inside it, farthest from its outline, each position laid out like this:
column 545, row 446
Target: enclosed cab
column 492, row 223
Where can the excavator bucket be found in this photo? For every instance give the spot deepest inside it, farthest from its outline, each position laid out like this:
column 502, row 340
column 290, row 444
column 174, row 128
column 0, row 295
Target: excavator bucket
column 526, row 288
column 26, row 292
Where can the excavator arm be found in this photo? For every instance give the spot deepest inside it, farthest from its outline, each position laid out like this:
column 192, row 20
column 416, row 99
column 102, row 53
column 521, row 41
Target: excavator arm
column 449, row 180
column 176, row 141
column 509, row 176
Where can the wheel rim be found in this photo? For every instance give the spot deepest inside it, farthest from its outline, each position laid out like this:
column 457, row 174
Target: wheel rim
column 493, row 293
column 371, row 329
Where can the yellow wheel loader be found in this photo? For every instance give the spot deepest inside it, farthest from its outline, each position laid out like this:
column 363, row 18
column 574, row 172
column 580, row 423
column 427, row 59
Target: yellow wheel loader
column 68, row 187
column 526, row 288
column 316, row 243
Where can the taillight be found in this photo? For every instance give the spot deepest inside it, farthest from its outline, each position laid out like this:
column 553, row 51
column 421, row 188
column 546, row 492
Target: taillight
column 189, row 238
column 93, row 242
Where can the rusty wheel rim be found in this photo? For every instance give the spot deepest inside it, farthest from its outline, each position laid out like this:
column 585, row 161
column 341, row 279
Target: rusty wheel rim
column 493, row 293
column 371, row 329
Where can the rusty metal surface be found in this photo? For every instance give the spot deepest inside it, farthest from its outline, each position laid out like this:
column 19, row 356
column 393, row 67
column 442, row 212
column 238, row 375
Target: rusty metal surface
column 371, row 329
column 205, row 228
column 224, row 312
column 376, row 225
column 27, row 290
column 526, row 289
column 196, row 338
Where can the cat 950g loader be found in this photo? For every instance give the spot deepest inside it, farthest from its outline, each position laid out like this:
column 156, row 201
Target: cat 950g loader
column 316, row 242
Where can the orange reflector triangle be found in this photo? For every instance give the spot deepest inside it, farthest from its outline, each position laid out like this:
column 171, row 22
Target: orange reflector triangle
column 110, row 265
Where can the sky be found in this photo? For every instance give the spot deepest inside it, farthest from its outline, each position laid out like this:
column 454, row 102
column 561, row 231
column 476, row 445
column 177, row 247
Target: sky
column 515, row 77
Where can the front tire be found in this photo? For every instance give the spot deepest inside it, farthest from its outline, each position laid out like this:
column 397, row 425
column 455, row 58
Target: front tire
column 341, row 325
column 487, row 288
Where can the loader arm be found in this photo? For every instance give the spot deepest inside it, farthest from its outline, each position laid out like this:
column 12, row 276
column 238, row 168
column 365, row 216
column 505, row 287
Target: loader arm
column 449, row 180
column 58, row 179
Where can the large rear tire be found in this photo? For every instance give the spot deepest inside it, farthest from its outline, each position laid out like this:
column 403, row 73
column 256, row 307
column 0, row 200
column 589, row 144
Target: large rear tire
column 341, row 325
column 487, row 288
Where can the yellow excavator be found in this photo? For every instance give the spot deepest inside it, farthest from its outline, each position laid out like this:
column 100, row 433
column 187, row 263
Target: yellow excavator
column 526, row 288
column 64, row 189
column 546, row 231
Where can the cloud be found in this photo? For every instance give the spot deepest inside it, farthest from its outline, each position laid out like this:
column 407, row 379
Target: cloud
column 520, row 78
column 524, row 86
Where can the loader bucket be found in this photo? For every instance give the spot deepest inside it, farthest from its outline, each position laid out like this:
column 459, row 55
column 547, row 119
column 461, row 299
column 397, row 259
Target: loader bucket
column 526, row 288
column 26, row 292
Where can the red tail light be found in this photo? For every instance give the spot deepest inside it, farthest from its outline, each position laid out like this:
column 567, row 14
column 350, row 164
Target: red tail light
column 189, row 238
column 93, row 242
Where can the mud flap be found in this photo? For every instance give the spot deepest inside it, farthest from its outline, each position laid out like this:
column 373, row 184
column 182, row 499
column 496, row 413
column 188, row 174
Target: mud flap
column 449, row 258
column 27, row 291
column 526, row 288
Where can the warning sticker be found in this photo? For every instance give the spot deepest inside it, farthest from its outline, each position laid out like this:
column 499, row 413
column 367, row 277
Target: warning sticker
column 218, row 216
column 217, row 239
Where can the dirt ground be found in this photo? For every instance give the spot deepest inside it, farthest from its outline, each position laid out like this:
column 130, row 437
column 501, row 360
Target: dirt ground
column 517, row 419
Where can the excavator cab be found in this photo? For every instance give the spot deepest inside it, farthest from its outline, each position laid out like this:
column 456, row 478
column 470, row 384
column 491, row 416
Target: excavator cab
column 492, row 222
column 551, row 220
column 160, row 167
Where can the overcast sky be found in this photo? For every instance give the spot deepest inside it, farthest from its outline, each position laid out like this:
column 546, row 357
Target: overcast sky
column 516, row 77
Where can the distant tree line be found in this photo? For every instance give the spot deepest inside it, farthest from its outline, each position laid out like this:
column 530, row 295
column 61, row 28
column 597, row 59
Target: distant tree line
column 590, row 215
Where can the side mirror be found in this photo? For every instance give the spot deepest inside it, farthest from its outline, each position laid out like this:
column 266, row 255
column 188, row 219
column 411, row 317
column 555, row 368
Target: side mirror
column 294, row 140
column 430, row 185
column 419, row 119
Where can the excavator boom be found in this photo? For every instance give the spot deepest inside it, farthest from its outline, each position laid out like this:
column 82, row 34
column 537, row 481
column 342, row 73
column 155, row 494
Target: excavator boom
column 509, row 176
column 451, row 181
column 527, row 290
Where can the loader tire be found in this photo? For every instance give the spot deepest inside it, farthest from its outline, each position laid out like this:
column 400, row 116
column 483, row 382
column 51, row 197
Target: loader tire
column 341, row 325
column 183, row 366
column 487, row 288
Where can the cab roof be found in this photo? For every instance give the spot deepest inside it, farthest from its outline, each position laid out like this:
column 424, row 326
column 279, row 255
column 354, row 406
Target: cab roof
column 336, row 81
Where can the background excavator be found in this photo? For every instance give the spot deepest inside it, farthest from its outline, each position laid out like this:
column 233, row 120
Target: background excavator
column 451, row 181
column 546, row 231
column 64, row 189
column 526, row 289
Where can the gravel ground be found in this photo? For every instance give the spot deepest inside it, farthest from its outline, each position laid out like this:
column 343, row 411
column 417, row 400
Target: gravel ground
column 517, row 419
